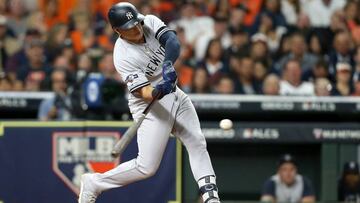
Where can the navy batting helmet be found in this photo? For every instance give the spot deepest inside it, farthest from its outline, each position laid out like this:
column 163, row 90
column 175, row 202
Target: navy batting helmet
column 124, row 16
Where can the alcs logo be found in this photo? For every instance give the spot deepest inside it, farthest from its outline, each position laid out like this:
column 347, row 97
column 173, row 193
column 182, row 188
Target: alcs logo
column 76, row 153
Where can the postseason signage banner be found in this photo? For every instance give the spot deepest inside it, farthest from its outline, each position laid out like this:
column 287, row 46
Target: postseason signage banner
column 250, row 104
column 280, row 132
column 43, row 163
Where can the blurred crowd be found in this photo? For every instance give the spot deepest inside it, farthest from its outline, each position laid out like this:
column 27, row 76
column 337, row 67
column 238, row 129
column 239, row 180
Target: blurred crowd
column 271, row 47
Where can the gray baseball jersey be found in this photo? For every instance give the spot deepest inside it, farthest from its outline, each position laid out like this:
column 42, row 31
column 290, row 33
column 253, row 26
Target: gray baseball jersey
column 140, row 64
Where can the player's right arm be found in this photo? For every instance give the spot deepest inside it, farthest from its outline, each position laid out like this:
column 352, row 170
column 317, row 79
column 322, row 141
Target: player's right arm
column 144, row 93
column 163, row 88
column 139, row 85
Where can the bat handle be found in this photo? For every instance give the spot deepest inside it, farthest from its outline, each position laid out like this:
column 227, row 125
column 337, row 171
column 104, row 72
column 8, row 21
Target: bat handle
column 114, row 154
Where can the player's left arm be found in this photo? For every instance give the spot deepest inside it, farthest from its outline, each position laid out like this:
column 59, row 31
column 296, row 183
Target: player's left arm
column 167, row 39
column 171, row 44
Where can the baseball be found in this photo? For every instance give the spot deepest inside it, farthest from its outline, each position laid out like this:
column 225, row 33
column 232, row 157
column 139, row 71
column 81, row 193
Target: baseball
column 226, row 124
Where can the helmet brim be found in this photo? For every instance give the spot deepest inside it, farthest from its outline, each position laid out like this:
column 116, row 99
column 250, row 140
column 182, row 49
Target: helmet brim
column 132, row 23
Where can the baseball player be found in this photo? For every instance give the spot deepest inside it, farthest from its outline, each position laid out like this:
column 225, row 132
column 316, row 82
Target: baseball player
column 144, row 55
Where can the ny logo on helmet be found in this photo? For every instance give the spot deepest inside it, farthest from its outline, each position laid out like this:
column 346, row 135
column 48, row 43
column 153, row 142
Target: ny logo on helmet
column 129, row 15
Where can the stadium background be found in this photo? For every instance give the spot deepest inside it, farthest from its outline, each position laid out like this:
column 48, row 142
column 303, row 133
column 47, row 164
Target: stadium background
column 233, row 64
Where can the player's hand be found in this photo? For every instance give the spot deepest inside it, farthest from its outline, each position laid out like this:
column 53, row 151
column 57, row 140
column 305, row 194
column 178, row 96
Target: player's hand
column 168, row 72
column 163, row 88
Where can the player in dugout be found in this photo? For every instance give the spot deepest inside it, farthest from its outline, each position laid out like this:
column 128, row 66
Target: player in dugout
column 287, row 186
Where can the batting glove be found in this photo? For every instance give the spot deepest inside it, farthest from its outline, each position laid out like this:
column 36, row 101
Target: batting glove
column 163, row 88
column 168, row 72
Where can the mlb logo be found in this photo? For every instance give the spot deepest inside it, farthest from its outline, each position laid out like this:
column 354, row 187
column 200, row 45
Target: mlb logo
column 76, row 153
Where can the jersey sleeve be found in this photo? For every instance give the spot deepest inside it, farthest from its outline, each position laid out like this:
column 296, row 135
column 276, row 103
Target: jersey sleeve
column 157, row 25
column 268, row 188
column 132, row 75
column 308, row 188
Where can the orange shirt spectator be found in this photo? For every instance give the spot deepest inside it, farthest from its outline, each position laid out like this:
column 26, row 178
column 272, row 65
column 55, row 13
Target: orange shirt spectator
column 254, row 7
column 56, row 11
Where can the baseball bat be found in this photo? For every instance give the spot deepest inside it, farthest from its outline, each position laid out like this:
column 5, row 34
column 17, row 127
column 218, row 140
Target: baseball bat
column 121, row 145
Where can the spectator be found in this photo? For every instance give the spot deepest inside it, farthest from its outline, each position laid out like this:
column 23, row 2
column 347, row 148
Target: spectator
column 36, row 61
column 284, row 48
column 84, row 67
column 55, row 39
column 259, row 50
column 350, row 10
column 244, row 76
column 3, row 7
column 51, row 13
column 356, row 85
column 4, row 82
column 7, row 84
column 200, row 83
column 35, row 20
column 34, row 80
column 288, row 185
column 106, row 38
column 319, row 70
column 67, row 50
column 8, row 44
column 59, row 107
column 239, row 43
column 269, row 31
column 349, row 183
column 303, row 23
column 291, row 10
column 322, row 87
column 222, row 8
column 271, row 85
column 83, row 35
column 252, row 7
column 17, row 18
column 292, row 84
column 220, row 32
column 107, row 68
column 237, row 17
column 260, row 72
column 19, row 58
column 320, row 11
column 272, row 10
column 194, row 26
column 342, row 85
column 298, row 51
column 225, row 85
column 315, row 45
column 338, row 22
column 342, row 51
column 357, row 59
column 214, row 62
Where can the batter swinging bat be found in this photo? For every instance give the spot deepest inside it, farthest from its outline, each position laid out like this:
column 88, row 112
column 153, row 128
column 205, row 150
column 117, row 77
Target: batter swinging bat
column 121, row 145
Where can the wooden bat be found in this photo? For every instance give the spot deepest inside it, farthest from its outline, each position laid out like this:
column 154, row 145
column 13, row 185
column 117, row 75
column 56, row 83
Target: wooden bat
column 121, row 145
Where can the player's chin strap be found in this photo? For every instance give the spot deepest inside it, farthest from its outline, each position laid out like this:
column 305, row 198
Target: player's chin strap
column 208, row 189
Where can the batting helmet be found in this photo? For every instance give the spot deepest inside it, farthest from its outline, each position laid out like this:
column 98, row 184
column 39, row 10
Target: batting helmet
column 124, row 16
